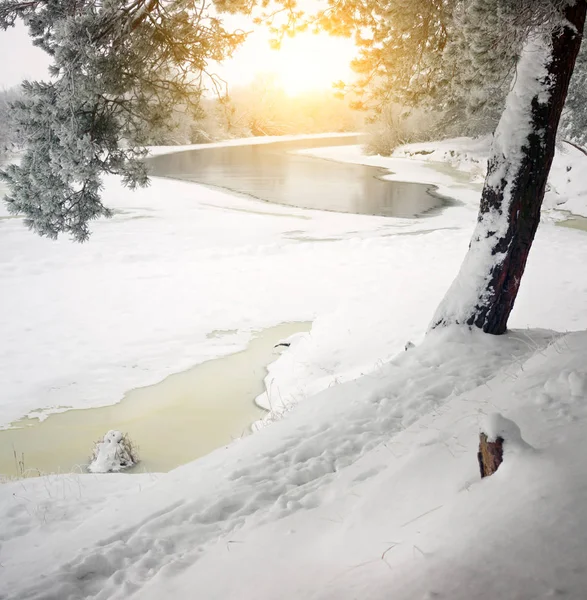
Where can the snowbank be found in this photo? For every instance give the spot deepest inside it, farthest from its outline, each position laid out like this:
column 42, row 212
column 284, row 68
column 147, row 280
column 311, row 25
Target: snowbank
column 250, row 141
column 370, row 491
column 566, row 190
column 469, row 155
column 370, row 488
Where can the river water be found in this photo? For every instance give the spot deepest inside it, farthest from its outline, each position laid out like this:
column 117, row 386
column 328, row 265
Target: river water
column 172, row 422
column 191, row 413
column 274, row 172
column 574, row 222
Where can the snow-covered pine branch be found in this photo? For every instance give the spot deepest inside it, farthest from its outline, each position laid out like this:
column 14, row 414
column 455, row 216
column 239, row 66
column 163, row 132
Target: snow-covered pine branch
column 120, row 68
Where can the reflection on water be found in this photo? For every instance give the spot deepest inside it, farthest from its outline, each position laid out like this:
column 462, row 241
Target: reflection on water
column 271, row 172
column 173, row 422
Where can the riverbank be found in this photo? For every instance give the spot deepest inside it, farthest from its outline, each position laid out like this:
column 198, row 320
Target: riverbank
column 175, row 421
column 370, row 486
column 457, row 168
column 464, row 160
column 178, row 261
column 140, row 300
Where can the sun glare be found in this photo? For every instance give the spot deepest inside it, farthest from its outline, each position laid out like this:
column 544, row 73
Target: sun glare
column 304, row 63
column 310, row 62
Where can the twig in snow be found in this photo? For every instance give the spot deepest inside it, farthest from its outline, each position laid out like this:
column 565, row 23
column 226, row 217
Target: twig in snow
column 233, row 542
column 386, row 551
column 331, row 520
column 390, row 450
column 422, row 515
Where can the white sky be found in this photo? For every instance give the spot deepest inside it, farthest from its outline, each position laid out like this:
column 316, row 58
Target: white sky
column 305, row 62
column 19, row 59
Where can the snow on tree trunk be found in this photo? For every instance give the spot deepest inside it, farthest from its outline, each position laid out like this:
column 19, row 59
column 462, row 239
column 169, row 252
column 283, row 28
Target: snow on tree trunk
column 484, row 291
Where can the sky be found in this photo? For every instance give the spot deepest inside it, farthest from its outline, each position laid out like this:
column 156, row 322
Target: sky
column 20, row 59
column 306, row 62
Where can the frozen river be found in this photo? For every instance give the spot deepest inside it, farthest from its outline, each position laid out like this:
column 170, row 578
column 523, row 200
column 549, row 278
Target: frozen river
column 193, row 412
column 275, row 172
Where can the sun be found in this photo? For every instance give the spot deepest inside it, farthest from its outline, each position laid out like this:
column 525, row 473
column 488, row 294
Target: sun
column 305, row 63
column 310, row 62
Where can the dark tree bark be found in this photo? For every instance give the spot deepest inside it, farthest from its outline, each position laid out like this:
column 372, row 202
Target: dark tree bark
column 485, row 290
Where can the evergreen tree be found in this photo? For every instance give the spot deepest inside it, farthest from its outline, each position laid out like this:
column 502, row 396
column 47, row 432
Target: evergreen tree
column 477, row 66
column 8, row 138
column 574, row 120
column 119, row 69
column 454, row 57
column 401, row 46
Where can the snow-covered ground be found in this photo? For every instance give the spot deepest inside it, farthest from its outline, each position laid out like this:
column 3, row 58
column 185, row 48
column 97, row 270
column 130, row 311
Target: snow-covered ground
column 369, row 489
column 567, row 187
column 249, row 141
column 81, row 325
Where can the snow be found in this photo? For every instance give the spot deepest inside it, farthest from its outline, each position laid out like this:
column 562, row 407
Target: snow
column 566, row 190
column 178, row 262
column 411, row 519
column 369, row 486
column 140, row 300
column 531, row 83
column 250, row 141
column 468, row 155
column 411, row 289
column 112, row 454
column 370, row 490
column 495, row 425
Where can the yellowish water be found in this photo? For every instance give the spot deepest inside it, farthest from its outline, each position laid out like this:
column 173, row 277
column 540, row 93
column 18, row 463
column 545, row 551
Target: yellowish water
column 574, row 222
column 173, row 422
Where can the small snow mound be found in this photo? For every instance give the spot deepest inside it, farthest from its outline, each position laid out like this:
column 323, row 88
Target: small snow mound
column 291, row 340
column 496, row 425
column 114, row 453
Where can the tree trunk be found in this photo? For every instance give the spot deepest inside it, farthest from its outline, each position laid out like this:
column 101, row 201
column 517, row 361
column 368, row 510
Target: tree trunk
column 484, row 292
column 490, row 455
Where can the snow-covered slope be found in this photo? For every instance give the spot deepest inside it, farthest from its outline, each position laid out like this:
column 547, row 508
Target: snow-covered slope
column 369, row 488
column 411, row 518
column 567, row 188
column 82, row 324
column 369, row 491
